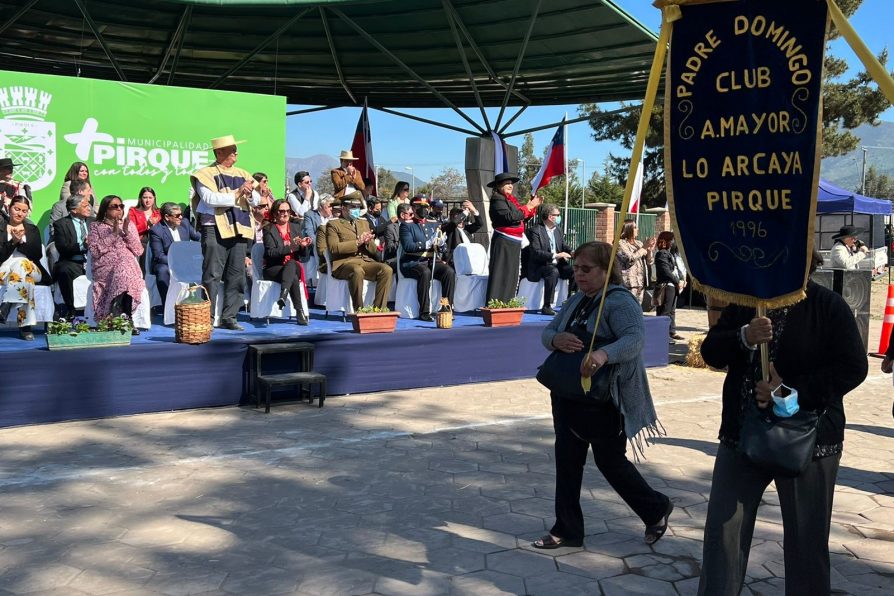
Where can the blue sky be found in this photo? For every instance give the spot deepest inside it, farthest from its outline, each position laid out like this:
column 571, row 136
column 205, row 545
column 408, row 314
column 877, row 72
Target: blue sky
column 400, row 144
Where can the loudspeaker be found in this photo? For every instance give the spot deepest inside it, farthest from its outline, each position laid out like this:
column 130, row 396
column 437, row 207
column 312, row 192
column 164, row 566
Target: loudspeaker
column 854, row 285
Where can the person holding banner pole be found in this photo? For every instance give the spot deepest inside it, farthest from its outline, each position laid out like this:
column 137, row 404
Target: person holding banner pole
column 814, row 351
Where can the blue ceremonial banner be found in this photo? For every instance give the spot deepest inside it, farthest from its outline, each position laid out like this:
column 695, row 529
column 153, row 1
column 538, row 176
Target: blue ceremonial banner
column 742, row 141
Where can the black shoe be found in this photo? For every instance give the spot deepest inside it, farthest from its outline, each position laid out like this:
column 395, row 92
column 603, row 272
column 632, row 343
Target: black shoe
column 427, row 318
column 281, row 303
column 134, row 331
column 302, row 318
column 547, row 311
column 231, row 324
column 25, row 333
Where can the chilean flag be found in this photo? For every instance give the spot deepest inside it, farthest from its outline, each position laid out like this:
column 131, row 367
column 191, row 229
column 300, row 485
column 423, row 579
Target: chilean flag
column 637, row 189
column 362, row 150
column 553, row 163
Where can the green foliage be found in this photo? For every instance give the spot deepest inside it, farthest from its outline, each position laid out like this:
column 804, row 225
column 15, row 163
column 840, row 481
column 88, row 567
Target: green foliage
column 386, row 182
column 112, row 323
column 323, row 184
column 515, row 302
column 604, row 188
column 877, row 185
column 449, row 184
column 78, row 325
column 363, row 310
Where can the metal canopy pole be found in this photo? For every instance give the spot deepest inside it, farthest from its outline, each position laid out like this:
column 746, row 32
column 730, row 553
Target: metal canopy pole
column 17, row 15
column 175, row 41
column 403, row 65
column 341, row 76
column 101, row 39
column 179, row 47
column 310, row 110
column 511, row 120
column 426, row 121
column 518, row 62
column 245, row 60
column 479, row 54
column 572, row 121
column 462, row 55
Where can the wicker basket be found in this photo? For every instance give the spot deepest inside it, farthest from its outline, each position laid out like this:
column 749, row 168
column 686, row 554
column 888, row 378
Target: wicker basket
column 192, row 322
column 445, row 315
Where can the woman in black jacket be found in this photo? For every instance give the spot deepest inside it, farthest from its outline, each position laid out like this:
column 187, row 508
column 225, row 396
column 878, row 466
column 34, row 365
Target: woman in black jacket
column 668, row 280
column 815, row 348
column 283, row 246
column 20, row 268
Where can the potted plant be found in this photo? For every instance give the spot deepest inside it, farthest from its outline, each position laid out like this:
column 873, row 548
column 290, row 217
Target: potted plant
column 372, row 319
column 74, row 334
column 503, row 314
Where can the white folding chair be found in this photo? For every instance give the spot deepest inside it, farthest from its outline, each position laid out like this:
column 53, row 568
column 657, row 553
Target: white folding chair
column 264, row 293
column 185, row 267
column 149, row 278
column 406, row 302
column 532, row 293
column 80, row 285
column 142, row 317
column 338, row 294
column 320, row 293
column 470, row 262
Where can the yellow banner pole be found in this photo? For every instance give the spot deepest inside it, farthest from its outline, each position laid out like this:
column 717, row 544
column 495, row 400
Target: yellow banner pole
column 873, row 66
column 648, row 103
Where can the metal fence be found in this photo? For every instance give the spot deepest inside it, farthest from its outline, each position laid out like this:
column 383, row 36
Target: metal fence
column 582, row 225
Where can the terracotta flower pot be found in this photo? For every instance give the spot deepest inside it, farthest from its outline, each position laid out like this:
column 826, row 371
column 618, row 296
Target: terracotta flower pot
column 374, row 322
column 502, row 317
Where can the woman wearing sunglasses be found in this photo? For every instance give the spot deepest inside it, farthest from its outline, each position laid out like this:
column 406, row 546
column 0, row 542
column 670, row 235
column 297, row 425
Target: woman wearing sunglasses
column 115, row 249
column 283, row 247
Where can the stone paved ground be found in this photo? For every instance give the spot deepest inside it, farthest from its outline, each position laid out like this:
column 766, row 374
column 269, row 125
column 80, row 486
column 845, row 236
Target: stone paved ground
column 434, row 491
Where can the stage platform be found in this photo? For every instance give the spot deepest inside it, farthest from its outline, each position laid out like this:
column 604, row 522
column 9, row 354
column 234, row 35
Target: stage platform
column 156, row 374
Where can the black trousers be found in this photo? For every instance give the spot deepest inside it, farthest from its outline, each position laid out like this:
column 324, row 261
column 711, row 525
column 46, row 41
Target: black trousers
column 806, row 503
column 289, row 278
column 579, row 427
column 551, row 274
column 65, row 272
column 669, row 308
column 223, row 260
column 422, row 273
column 162, row 280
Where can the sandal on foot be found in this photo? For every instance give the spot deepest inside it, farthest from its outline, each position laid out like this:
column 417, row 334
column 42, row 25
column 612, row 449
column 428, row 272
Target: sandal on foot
column 549, row 542
column 656, row 531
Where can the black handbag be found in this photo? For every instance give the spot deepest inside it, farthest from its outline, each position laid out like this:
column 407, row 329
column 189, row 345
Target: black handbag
column 781, row 446
column 560, row 373
column 648, row 302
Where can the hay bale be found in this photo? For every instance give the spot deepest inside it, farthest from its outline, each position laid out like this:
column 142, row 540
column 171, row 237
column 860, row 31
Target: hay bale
column 694, row 355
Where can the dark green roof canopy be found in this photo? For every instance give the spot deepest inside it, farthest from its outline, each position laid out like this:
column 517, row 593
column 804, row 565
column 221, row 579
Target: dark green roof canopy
column 394, row 53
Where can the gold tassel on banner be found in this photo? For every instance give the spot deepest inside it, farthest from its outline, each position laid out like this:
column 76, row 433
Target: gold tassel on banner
column 670, row 14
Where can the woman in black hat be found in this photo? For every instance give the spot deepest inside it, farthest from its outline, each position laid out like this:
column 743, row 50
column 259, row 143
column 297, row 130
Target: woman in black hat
column 507, row 216
column 848, row 250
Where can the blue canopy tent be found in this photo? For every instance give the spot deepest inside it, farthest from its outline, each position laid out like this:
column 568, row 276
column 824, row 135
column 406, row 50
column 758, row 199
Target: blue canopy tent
column 838, row 207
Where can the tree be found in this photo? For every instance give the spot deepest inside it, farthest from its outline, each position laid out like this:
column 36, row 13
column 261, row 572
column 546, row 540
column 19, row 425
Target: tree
column 324, row 183
column 554, row 192
column 846, row 105
column 449, row 184
column 877, row 185
column 528, row 166
column 605, row 189
column 386, row 182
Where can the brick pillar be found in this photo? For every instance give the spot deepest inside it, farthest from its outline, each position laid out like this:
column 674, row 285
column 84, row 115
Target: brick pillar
column 605, row 223
column 662, row 222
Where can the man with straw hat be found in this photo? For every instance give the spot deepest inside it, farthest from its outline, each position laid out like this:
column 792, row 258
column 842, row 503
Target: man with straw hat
column 224, row 195
column 346, row 179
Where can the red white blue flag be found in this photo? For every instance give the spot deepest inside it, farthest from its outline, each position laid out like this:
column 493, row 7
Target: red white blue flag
column 553, row 163
column 362, row 150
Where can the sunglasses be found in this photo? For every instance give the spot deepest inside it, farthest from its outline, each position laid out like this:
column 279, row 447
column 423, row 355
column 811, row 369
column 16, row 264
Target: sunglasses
column 176, row 216
column 116, row 206
column 286, row 211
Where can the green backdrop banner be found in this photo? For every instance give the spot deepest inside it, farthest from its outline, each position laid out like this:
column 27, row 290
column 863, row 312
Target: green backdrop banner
column 130, row 135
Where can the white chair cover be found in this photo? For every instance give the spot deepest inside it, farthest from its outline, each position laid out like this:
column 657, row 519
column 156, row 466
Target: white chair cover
column 533, row 293
column 406, row 302
column 470, row 259
column 338, row 295
column 264, row 293
column 185, row 265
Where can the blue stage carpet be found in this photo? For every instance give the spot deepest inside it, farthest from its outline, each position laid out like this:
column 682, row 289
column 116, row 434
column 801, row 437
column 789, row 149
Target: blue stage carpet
column 156, row 374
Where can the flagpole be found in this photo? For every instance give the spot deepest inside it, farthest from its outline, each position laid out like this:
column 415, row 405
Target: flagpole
column 565, row 133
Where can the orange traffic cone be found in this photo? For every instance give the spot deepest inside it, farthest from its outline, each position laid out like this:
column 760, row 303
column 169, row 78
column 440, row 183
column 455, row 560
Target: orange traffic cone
column 887, row 322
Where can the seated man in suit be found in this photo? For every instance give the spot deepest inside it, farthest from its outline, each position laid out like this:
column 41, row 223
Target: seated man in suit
column 352, row 248
column 70, row 238
column 549, row 258
column 314, row 226
column 420, row 246
column 172, row 228
column 462, row 223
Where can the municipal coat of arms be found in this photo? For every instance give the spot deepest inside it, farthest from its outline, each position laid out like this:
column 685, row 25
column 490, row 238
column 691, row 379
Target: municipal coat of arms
column 25, row 137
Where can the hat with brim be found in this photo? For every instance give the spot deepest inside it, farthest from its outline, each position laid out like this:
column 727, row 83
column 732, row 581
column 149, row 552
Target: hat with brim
column 350, row 201
column 419, row 200
column 847, row 231
column 502, row 179
column 6, row 162
column 223, row 142
column 347, row 156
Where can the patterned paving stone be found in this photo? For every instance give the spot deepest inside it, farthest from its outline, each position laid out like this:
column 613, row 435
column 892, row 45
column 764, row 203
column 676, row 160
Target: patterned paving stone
column 627, row 585
column 520, row 563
